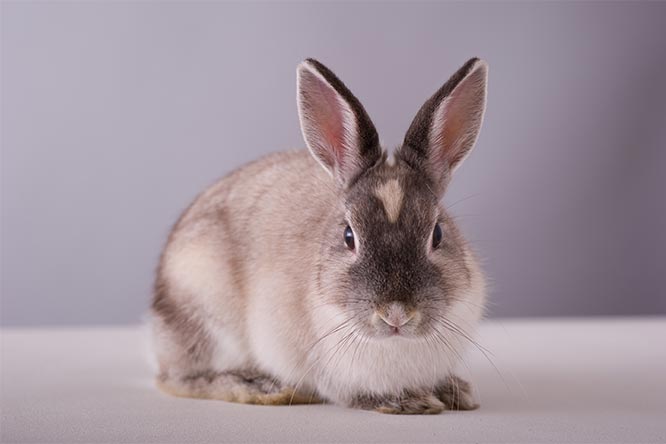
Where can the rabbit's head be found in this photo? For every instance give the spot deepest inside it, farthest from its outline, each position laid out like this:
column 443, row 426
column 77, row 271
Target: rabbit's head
column 392, row 261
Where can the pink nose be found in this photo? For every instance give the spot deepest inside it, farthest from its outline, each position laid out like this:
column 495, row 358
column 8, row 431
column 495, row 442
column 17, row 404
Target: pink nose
column 395, row 315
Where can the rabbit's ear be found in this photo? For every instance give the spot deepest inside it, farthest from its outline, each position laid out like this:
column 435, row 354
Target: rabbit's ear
column 335, row 126
column 447, row 125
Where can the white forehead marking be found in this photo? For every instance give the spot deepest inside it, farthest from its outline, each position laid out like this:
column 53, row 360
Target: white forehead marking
column 391, row 196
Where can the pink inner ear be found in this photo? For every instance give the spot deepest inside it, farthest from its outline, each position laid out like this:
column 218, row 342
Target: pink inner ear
column 450, row 127
column 330, row 117
column 457, row 120
column 327, row 121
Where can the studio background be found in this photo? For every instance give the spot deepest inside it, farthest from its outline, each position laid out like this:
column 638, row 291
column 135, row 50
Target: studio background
column 115, row 115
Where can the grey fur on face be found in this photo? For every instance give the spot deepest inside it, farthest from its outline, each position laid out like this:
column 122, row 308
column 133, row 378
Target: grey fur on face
column 394, row 258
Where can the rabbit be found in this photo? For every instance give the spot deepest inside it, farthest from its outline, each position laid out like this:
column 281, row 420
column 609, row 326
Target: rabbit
column 332, row 274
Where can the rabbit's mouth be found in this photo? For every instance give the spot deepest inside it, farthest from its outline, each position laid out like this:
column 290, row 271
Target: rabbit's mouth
column 395, row 319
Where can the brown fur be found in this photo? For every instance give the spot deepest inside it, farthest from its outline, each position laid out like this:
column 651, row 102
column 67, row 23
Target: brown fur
column 235, row 387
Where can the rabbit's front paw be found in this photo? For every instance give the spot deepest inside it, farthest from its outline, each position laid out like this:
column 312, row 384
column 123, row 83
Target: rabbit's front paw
column 456, row 394
column 407, row 403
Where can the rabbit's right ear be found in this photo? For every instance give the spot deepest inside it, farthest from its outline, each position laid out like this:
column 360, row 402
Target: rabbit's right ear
column 335, row 126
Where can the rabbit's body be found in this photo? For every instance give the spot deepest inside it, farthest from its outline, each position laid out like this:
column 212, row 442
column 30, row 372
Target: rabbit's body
column 258, row 300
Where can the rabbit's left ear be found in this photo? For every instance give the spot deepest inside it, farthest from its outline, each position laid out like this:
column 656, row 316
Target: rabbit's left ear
column 335, row 126
column 447, row 125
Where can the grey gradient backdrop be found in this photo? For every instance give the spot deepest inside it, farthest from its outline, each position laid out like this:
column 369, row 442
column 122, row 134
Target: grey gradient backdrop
column 114, row 116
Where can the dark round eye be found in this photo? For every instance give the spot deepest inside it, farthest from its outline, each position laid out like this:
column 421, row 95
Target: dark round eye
column 436, row 236
column 349, row 238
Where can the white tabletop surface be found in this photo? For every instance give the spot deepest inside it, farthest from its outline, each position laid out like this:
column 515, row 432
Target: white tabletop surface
column 585, row 380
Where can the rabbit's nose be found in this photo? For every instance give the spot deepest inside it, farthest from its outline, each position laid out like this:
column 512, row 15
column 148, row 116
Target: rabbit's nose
column 396, row 314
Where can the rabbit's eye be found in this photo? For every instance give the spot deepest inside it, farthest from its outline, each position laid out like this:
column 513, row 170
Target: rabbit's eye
column 349, row 238
column 436, row 236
